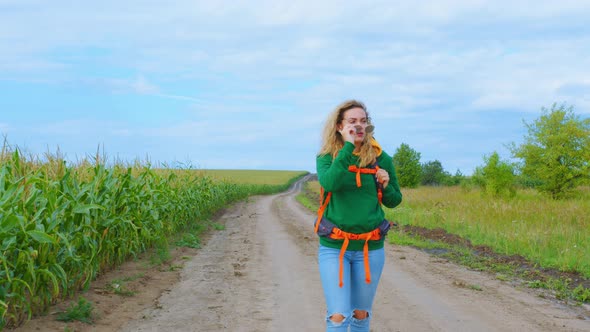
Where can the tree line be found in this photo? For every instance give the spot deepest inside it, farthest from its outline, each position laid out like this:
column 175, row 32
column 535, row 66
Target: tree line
column 554, row 158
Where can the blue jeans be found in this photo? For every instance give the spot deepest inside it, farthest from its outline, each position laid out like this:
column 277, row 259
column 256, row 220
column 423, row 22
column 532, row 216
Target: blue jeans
column 355, row 294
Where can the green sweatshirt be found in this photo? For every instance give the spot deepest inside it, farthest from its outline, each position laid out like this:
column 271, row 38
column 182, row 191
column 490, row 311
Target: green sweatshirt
column 355, row 209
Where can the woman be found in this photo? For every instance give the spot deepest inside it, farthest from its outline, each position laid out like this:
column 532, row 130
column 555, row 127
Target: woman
column 357, row 177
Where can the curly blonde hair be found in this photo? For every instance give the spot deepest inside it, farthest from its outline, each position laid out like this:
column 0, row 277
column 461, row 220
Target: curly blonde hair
column 332, row 140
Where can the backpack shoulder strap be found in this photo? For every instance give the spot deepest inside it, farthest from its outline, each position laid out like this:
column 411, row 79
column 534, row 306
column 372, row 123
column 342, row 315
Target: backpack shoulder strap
column 322, row 207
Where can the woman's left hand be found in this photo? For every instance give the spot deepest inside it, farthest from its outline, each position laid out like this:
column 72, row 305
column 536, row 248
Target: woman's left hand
column 382, row 177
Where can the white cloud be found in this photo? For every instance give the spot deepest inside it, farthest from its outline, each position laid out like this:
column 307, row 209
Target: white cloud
column 178, row 97
column 139, row 85
column 142, row 86
column 414, row 63
column 214, row 130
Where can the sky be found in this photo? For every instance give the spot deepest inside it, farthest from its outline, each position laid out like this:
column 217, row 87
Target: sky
column 249, row 84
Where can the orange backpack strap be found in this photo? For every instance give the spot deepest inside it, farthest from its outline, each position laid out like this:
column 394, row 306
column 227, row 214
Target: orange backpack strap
column 338, row 234
column 360, row 170
column 322, row 207
column 355, row 169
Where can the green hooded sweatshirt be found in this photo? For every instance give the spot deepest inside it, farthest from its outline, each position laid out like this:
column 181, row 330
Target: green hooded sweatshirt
column 355, row 209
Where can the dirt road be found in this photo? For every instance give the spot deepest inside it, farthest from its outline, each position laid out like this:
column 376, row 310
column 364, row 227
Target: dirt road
column 260, row 274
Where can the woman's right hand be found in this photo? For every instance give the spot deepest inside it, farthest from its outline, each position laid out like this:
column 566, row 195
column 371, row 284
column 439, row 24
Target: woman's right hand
column 348, row 133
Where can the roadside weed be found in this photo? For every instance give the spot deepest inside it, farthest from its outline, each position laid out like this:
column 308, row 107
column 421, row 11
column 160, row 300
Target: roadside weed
column 81, row 311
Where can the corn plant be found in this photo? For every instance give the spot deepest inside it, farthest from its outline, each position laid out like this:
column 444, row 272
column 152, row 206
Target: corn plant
column 61, row 225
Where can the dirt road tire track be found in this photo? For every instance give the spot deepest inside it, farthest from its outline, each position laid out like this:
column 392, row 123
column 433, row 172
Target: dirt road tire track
column 260, row 274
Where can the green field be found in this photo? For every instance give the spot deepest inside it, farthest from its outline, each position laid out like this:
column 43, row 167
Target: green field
column 548, row 233
column 267, row 177
column 554, row 234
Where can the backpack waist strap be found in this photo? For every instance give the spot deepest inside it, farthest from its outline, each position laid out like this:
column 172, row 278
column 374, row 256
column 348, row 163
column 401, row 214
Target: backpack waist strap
column 338, row 234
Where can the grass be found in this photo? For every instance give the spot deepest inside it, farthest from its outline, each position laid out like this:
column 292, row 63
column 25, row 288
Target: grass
column 554, row 234
column 561, row 287
column 264, row 177
column 161, row 254
column 81, row 311
column 191, row 237
column 118, row 287
column 189, row 240
column 310, row 195
column 218, row 226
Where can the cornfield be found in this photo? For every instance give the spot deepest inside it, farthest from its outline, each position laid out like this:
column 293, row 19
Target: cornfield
column 60, row 226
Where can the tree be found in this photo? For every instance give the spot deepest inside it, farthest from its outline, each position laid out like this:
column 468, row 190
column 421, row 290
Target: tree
column 433, row 173
column 407, row 164
column 453, row 180
column 497, row 177
column 556, row 151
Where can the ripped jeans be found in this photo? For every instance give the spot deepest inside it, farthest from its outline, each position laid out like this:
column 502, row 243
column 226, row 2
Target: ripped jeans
column 355, row 294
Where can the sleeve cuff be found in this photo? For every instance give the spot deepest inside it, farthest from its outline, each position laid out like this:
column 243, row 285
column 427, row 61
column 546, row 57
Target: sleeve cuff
column 348, row 147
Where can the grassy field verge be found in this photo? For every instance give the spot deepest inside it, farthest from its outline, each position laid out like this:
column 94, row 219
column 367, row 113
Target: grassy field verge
column 554, row 234
column 256, row 177
column 546, row 243
column 61, row 225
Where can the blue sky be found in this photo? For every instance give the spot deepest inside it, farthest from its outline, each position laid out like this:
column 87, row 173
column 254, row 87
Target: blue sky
column 248, row 84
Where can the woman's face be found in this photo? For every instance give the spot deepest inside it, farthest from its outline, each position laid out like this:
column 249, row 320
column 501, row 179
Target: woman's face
column 352, row 118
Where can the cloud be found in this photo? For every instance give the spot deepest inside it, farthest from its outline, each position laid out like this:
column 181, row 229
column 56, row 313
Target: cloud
column 271, row 71
column 178, row 97
column 575, row 89
column 142, row 86
column 138, row 85
column 577, row 93
column 215, row 131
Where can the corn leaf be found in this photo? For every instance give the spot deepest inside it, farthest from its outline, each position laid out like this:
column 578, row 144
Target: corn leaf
column 82, row 209
column 41, row 237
